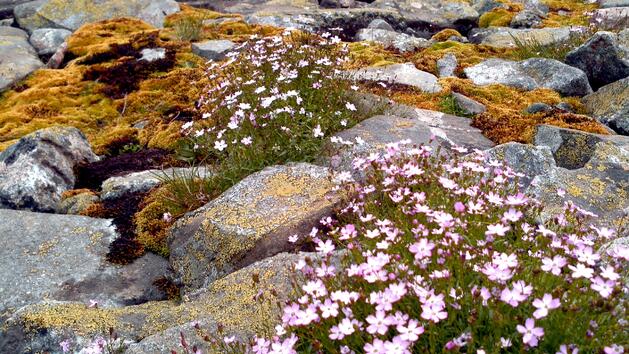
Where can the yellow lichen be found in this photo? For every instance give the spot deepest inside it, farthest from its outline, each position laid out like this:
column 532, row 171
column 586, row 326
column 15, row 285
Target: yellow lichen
column 467, row 55
column 445, row 34
column 567, row 13
column 364, row 54
column 150, row 225
column 500, row 16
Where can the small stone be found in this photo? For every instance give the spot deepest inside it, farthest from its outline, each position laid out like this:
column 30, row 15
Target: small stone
column 47, row 40
column 402, row 74
column 527, row 19
column 565, row 106
column 447, row 65
column 538, row 107
column 77, row 204
column 380, row 24
column 17, row 57
column 153, row 54
column 337, row 3
column 36, row 170
column 468, row 105
column 213, row 49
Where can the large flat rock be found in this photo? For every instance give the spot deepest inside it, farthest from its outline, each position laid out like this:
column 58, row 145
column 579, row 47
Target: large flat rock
column 251, row 221
column 62, row 257
column 505, row 37
column 610, row 105
column 242, row 307
column 17, row 57
column 72, row 14
column 401, row 74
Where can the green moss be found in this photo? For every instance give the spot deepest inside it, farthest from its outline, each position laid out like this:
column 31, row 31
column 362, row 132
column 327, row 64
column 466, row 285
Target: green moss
column 497, row 17
column 150, row 226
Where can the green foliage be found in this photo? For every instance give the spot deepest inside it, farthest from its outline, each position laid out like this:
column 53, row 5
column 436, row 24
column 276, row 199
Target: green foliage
column 532, row 48
column 448, row 105
column 189, row 28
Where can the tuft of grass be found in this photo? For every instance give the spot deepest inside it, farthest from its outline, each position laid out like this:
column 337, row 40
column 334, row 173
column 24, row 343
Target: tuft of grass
column 532, row 48
column 189, row 29
column 448, row 105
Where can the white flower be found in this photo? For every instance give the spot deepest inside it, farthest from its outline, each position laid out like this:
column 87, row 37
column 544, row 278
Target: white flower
column 317, row 132
column 220, row 145
column 246, row 140
column 350, row 106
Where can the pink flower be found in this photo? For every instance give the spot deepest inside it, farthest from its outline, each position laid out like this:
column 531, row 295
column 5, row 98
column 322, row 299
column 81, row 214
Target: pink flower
column 65, row 345
column 377, row 347
column 581, row 271
column 329, row 309
column 603, row 287
column 459, row 207
column 512, row 215
column 564, row 349
column 530, row 333
column 544, row 304
column 554, row 265
column 422, row 249
column 497, row 230
column 614, row 349
column 379, row 323
column 411, row 331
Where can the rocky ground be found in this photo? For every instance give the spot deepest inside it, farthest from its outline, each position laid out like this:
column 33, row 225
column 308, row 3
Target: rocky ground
column 93, row 96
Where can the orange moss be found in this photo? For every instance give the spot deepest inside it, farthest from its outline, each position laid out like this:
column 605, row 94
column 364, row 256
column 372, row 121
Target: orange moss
column 467, row 55
column 443, row 35
column 75, row 192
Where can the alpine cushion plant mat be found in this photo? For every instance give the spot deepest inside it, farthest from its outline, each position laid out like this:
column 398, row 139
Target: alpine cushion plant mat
column 444, row 254
column 273, row 101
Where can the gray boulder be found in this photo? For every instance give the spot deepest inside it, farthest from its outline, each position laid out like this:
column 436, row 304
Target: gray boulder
column 72, row 14
column 447, row 65
column 391, row 39
column 380, row 24
column 505, row 37
column 144, row 181
column 337, row 3
column 402, row 74
column 6, row 7
column 62, row 257
column 35, row 171
column 529, row 160
column 213, row 49
column 17, row 57
column 527, row 18
column 251, row 221
column 531, row 74
column 611, row 18
column 603, row 59
column 610, row 105
column 47, row 40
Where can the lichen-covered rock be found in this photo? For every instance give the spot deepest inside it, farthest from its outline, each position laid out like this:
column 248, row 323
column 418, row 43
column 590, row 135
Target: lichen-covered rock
column 72, row 14
column 36, row 170
column 402, row 74
column 603, row 58
column 613, row 3
column 6, row 7
column 47, row 40
column 573, row 149
column 610, row 105
column 337, row 3
column 17, row 57
column 391, row 39
column 531, row 74
column 251, row 221
column 611, row 18
column 447, row 65
column 62, row 257
column 468, row 105
column 505, row 37
column 77, row 204
column 144, row 181
column 213, row 49
column 244, row 303
column 527, row 19
column 529, row 160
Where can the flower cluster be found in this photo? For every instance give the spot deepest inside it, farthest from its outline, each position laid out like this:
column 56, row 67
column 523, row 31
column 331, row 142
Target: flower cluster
column 274, row 100
column 446, row 255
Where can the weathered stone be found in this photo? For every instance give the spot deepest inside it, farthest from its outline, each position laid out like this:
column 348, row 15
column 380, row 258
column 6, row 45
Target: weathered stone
column 402, row 74
column 337, row 3
column 390, row 39
column 531, row 74
column 565, row 106
column 447, row 65
column 153, row 54
column 450, row 129
column 611, row 18
column 7, row 22
column 249, row 222
column 76, row 204
column 610, row 105
column 531, row 161
column 72, row 14
column 573, row 149
column 613, row 3
column 504, row 37
column 468, row 105
column 380, row 24
column 62, row 257
column 17, row 57
column 213, row 49
column 47, row 40
column 242, row 306
column 538, row 107
column 602, row 58
column 36, row 170
column 144, row 181
column 527, row 19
